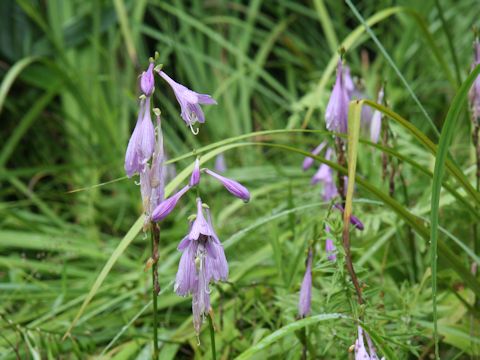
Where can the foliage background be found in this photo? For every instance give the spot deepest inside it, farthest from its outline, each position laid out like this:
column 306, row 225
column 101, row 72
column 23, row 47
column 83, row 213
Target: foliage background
column 65, row 123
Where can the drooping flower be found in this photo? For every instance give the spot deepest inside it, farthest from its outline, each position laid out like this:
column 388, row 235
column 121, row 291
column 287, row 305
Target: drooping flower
column 167, row 205
column 308, row 161
column 220, row 163
column 234, row 187
column 330, row 248
column 200, row 225
column 147, row 81
column 361, row 352
column 353, row 219
column 336, row 114
column 189, row 101
column 376, row 122
column 203, row 261
column 132, row 156
column 195, row 178
column 305, row 300
column 474, row 94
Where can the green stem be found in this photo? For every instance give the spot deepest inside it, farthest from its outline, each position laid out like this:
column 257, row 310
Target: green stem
column 155, row 287
column 212, row 336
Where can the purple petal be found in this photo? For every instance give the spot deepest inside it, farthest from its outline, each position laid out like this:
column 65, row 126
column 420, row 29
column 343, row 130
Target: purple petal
column 234, row 187
column 375, row 126
column 336, row 114
column 206, row 99
column 132, row 157
column 195, row 178
column 167, row 205
column 220, row 163
column 147, row 81
column 360, row 350
column 186, row 279
column 308, row 161
column 304, row 303
column 200, row 225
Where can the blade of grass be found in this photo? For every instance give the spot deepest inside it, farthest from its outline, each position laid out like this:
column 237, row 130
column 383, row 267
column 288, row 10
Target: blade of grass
column 438, row 173
column 327, row 25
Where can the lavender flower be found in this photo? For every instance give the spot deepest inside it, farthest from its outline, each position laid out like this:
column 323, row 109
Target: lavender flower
column 336, row 114
column 376, row 122
column 348, row 81
column 200, row 225
column 158, row 170
column 353, row 219
column 329, row 189
column 203, row 260
column 220, row 163
column 304, row 303
column 147, row 82
column 361, row 352
column 189, row 101
column 308, row 161
column 474, row 94
column 324, row 172
column 132, row 156
column 330, row 248
column 234, row 187
column 167, row 205
column 195, row 178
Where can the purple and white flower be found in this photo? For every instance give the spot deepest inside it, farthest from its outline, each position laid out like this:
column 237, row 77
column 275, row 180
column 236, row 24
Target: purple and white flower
column 305, row 299
column 195, row 178
column 167, row 205
column 189, row 102
column 147, row 81
column 336, row 114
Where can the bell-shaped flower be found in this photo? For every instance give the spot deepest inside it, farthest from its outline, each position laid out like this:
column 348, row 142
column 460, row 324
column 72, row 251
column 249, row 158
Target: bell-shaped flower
column 189, row 102
column 195, row 178
column 336, row 114
column 147, row 81
column 203, row 261
column 330, row 248
column 376, row 122
column 200, row 225
column 308, row 161
column 360, row 350
column 234, row 187
column 305, row 299
column 167, row 205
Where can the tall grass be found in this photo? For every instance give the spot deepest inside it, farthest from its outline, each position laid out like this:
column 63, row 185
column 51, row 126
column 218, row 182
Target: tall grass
column 72, row 252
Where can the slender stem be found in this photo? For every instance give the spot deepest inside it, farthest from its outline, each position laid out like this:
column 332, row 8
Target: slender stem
column 155, row 287
column 212, row 336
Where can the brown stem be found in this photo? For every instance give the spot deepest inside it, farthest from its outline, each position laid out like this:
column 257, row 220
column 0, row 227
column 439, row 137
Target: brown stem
column 155, row 256
column 349, row 262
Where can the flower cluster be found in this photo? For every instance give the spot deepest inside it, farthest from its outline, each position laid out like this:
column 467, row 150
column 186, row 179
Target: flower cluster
column 203, row 259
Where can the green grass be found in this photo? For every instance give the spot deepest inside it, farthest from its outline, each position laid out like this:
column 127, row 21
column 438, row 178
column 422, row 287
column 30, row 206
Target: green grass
column 72, row 253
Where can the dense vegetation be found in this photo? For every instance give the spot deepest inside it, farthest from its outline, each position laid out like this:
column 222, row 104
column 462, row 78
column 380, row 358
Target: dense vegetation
column 74, row 258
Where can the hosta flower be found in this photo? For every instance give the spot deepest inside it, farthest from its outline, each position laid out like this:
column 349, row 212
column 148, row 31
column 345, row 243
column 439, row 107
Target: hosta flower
column 220, row 163
column 200, row 225
column 361, row 352
column 142, row 142
column 147, row 82
column 330, row 248
column 195, row 178
column 474, row 94
column 234, row 187
column 189, row 101
column 158, row 171
column 305, row 300
column 376, row 122
column 308, row 161
column 203, row 261
column 336, row 114
column 167, row 205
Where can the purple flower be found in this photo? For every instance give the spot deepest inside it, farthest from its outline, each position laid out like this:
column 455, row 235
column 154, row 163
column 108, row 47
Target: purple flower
column 324, row 172
column 361, row 352
column 336, row 114
column 305, row 300
column 142, row 142
column 195, row 178
column 167, row 205
column 348, row 81
column 158, row 170
column 189, row 101
column 147, row 82
column 308, row 161
column 376, row 122
column 353, row 219
column 329, row 190
column 234, row 187
column 220, row 163
column 203, row 261
column 474, row 94
column 330, row 248
column 200, row 225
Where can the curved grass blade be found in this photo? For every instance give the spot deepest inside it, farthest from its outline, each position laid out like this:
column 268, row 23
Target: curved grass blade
column 438, row 173
column 286, row 330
